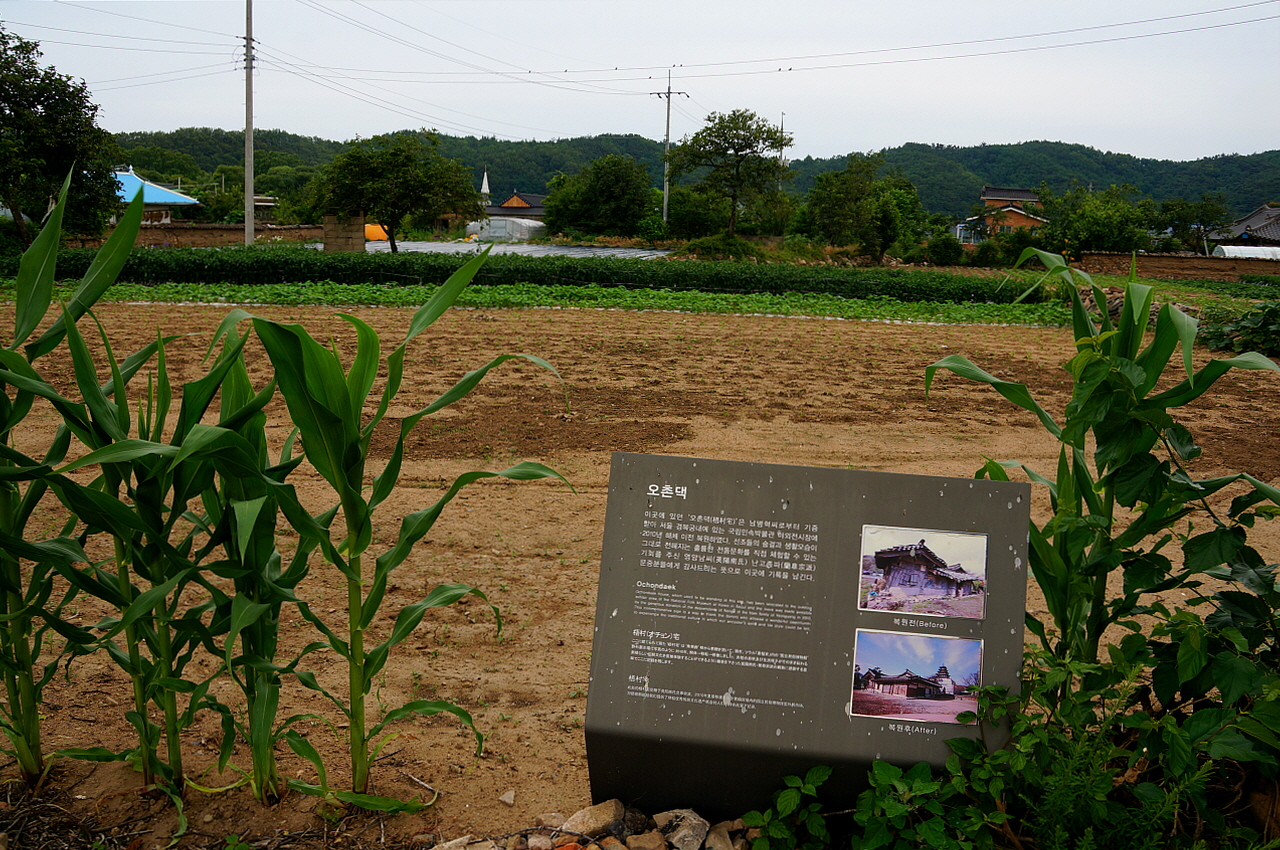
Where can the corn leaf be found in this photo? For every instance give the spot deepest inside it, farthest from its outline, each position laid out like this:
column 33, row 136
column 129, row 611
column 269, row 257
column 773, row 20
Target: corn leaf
column 106, row 267
column 35, row 272
column 1016, row 393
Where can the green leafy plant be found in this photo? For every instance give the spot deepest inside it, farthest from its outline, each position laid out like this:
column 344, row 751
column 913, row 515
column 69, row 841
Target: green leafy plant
column 1135, row 462
column 1258, row 329
column 911, row 808
column 140, row 500
column 26, row 613
column 792, row 823
column 326, row 401
column 241, row 515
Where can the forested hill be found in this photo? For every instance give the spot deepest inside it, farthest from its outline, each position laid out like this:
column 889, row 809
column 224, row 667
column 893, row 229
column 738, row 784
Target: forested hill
column 527, row 166
column 949, row 178
column 210, row 147
column 512, row 166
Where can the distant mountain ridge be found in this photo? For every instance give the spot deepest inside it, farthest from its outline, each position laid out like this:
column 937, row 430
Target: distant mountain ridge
column 948, row 177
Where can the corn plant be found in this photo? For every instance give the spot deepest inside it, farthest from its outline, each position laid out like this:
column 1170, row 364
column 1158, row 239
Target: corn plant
column 1121, row 451
column 326, row 402
column 149, row 483
column 241, row 515
column 25, row 601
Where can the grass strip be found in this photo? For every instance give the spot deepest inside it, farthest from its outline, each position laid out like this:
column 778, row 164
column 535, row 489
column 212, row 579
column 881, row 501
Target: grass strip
column 882, row 308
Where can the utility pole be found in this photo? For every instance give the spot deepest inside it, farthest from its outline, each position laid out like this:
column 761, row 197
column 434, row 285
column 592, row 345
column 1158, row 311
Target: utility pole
column 666, row 149
column 248, row 122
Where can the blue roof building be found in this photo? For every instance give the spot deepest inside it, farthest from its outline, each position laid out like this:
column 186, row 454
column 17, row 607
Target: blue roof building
column 158, row 200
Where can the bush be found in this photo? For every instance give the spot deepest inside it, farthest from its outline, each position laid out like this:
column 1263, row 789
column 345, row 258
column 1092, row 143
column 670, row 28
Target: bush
column 724, row 247
column 1257, row 330
column 945, row 250
column 987, row 255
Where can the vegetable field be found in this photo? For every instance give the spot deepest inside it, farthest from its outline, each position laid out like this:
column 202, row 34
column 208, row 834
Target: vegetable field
column 823, row 392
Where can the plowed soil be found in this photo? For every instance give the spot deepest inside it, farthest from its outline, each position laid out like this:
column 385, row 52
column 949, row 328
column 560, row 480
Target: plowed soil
column 779, row 390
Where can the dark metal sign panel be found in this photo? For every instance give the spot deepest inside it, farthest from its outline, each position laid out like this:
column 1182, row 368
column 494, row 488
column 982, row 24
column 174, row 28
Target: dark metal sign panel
column 755, row 620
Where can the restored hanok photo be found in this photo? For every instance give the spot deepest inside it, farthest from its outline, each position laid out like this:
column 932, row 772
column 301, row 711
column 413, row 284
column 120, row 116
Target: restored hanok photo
column 905, row 676
column 922, row 571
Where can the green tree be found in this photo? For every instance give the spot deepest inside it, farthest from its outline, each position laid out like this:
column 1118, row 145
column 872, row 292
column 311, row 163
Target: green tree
column 1191, row 222
column 390, row 178
column 837, row 201
column 739, row 157
column 1080, row 219
column 608, row 197
column 692, row 214
column 155, row 163
column 48, row 129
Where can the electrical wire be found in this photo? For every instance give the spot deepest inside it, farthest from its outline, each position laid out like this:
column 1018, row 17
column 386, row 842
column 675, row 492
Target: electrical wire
column 145, row 20
column 305, row 70
column 134, row 49
column 458, row 46
column 372, row 100
column 170, row 80
column 113, row 35
column 817, row 56
column 158, row 74
column 554, row 83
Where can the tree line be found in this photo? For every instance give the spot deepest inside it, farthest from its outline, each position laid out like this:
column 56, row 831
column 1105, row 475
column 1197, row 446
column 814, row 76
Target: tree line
column 947, row 177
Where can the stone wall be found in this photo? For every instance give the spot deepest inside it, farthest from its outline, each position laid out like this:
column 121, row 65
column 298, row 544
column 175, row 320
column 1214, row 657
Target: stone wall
column 209, row 235
column 1178, row 266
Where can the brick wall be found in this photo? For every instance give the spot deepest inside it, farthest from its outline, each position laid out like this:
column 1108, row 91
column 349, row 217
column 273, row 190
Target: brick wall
column 343, row 233
column 209, row 235
column 1177, row 266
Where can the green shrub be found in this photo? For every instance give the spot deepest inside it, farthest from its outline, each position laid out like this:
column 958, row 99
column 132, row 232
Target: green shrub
column 1257, row 330
column 987, row 255
column 945, row 250
column 723, row 247
column 289, row 264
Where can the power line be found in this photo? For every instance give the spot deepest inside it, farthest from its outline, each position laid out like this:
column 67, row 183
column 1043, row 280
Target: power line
column 156, row 74
column 817, row 56
column 554, row 83
column 101, row 88
column 145, row 20
column 113, row 35
column 135, row 49
column 368, row 99
column 304, row 68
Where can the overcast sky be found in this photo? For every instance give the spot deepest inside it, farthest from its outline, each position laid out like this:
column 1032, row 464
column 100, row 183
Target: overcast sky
column 1169, row 79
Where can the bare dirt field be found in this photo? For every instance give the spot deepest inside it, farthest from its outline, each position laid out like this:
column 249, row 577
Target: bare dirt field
column 779, row 390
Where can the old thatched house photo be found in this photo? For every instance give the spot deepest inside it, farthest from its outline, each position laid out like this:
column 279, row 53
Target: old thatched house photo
column 917, row 571
column 886, row 685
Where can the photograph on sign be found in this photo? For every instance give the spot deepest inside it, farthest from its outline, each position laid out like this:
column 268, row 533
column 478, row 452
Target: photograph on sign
column 886, row 683
column 923, row 571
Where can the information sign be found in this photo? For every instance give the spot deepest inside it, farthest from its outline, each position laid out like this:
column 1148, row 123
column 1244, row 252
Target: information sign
column 754, row 620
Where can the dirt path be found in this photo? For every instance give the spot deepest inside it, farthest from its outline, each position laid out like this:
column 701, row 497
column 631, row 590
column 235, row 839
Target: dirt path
column 779, row 390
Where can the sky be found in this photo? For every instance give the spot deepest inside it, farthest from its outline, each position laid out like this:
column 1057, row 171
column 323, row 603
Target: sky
column 894, row 652
column 1173, row 79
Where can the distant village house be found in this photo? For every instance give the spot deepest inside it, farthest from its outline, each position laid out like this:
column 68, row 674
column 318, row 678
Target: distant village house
column 1004, row 211
column 159, row 202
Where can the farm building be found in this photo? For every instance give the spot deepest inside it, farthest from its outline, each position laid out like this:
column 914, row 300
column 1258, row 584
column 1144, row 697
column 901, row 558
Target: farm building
column 914, row 570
